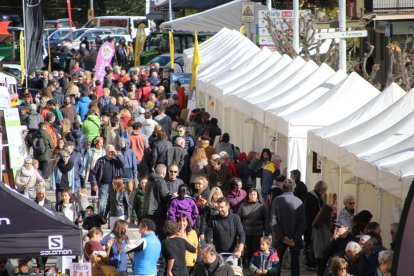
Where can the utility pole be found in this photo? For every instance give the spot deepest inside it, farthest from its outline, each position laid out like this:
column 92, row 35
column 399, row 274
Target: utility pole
column 342, row 28
column 296, row 25
column 269, row 5
column 170, row 9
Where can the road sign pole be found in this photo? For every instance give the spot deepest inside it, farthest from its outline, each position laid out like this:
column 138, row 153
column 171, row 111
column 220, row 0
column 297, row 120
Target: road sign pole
column 342, row 28
column 296, row 25
column 170, row 10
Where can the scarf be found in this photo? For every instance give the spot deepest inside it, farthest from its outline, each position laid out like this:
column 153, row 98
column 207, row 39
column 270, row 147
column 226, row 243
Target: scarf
column 213, row 267
column 27, row 172
column 65, row 169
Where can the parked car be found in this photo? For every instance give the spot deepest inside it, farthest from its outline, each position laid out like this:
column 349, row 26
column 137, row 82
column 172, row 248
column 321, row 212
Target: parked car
column 129, row 23
column 66, row 36
column 117, row 37
column 58, row 23
column 14, row 69
column 90, row 34
column 164, row 61
column 54, row 37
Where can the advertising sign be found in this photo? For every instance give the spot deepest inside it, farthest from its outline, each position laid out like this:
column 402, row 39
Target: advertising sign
column 104, row 58
column 184, row 79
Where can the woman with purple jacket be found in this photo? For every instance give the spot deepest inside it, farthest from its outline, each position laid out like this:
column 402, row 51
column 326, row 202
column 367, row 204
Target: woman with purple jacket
column 183, row 204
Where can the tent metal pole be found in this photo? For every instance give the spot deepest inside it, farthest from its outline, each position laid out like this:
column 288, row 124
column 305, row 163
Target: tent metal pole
column 339, row 188
column 379, row 198
column 25, row 44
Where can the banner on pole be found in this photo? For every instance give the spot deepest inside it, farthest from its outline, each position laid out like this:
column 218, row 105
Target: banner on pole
column 104, row 58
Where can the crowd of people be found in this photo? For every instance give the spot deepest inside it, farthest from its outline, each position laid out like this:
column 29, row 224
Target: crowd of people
column 193, row 194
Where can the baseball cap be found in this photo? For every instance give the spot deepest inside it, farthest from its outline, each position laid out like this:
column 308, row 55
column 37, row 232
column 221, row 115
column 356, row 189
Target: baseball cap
column 342, row 223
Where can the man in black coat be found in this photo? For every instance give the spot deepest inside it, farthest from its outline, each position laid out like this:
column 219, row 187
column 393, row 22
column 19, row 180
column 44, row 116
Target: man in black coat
column 106, row 169
column 288, row 224
column 225, row 230
column 313, row 204
column 212, row 264
column 45, row 203
column 156, row 198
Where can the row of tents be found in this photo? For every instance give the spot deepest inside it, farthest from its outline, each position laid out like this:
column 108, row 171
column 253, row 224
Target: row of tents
column 314, row 117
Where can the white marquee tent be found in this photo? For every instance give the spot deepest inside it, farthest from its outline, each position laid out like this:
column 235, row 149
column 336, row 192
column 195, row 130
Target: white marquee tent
column 212, row 20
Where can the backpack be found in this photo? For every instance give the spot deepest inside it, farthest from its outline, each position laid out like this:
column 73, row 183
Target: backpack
column 33, row 121
column 39, row 145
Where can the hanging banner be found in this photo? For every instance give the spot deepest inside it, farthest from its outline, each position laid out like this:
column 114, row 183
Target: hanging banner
column 22, row 57
column 172, row 51
column 139, row 44
column 104, row 58
column 33, row 34
column 14, row 137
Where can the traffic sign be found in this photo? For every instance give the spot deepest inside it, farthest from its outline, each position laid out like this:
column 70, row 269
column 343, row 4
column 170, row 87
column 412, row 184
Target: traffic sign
column 342, row 35
column 247, row 11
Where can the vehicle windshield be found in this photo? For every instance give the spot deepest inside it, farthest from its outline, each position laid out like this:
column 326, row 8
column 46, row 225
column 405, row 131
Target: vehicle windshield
column 76, row 34
column 162, row 60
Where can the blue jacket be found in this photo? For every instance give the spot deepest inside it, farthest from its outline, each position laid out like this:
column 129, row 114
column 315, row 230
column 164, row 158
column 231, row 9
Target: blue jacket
column 145, row 260
column 117, row 259
column 271, row 262
column 76, row 158
column 129, row 171
column 82, row 107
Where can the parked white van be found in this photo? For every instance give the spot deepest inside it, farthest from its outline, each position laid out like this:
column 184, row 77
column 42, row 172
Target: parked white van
column 130, row 23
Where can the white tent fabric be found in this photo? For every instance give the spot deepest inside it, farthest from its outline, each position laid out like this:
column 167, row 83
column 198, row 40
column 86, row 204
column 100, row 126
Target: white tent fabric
column 263, row 57
column 319, row 76
column 275, row 114
column 212, row 20
column 263, row 84
column 375, row 143
column 211, row 44
column 338, row 103
column 389, row 96
column 249, row 81
column 276, row 91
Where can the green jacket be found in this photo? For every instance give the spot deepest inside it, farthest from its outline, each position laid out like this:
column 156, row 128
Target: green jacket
column 138, row 205
column 58, row 114
column 91, row 127
column 49, row 145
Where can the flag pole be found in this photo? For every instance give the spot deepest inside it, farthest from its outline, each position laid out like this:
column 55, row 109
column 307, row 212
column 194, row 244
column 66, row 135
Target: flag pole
column 25, row 42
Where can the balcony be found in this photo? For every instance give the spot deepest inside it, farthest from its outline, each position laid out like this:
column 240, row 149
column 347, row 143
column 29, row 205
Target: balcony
column 385, row 6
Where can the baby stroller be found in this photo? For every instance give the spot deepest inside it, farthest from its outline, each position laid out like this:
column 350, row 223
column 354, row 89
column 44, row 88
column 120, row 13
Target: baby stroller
column 236, row 264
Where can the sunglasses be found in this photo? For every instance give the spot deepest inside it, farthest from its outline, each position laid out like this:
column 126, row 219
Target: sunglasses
column 66, row 156
column 173, row 171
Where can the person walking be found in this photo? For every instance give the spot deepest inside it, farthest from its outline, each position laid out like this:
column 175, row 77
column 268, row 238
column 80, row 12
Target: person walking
column 288, row 224
column 106, row 168
column 225, row 230
column 147, row 252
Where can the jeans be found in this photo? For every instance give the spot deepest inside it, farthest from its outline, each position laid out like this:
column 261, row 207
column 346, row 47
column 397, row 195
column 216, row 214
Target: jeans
column 294, row 256
column 102, row 197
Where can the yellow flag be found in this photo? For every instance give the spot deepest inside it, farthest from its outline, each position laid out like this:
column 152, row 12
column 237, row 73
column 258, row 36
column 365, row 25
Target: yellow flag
column 139, row 43
column 196, row 61
column 242, row 29
column 22, row 57
column 172, row 57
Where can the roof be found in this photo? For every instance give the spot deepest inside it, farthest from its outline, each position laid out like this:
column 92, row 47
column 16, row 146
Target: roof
column 213, row 20
column 191, row 4
column 395, row 16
